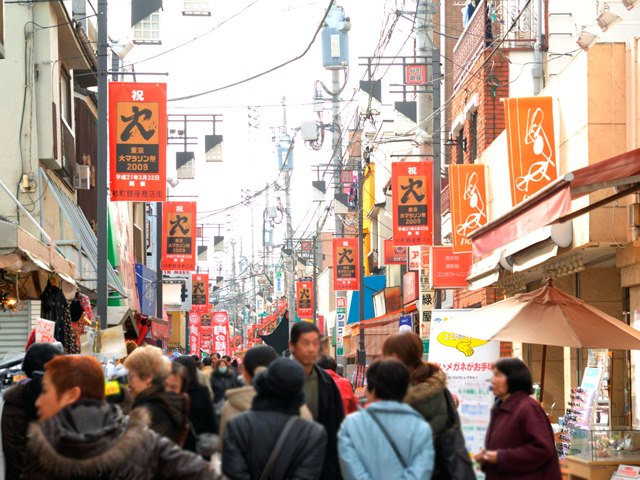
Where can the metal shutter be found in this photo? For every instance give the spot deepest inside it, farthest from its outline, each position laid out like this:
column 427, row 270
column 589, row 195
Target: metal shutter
column 15, row 327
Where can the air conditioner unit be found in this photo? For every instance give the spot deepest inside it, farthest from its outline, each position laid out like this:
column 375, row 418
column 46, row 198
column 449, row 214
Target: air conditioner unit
column 82, row 177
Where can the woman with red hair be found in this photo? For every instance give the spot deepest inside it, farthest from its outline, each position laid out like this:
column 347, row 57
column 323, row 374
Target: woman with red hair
column 81, row 436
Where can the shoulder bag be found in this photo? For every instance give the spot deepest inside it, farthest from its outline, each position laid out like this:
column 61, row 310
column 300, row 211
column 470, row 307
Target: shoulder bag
column 271, row 461
column 450, row 446
column 395, row 448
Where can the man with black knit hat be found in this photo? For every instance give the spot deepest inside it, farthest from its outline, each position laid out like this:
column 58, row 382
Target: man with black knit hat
column 20, row 406
column 271, row 440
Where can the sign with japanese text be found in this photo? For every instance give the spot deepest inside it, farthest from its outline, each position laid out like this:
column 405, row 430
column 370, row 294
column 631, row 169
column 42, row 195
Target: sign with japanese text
column 278, row 283
column 426, row 304
column 412, row 185
column 415, row 74
column 220, row 333
column 194, row 332
column 449, row 269
column 346, row 265
column 468, row 363
column 45, row 331
column 200, row 289
column 394, row 255
column 531, row 145
column 341, row 320
column 468, row 196
column 179, row 239
column 413, row 259
column 304, row 299
column 138, row 141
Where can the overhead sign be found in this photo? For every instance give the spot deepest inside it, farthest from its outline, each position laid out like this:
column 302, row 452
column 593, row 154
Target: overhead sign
column 304, row 299
column 531, row 145
column 468, row 203
column 138, row 141
column 179, row 237
column 449, row 269
column 412, row 185
column 200, row 290
column 346, row 265
column 394, row 255
column 221, row 333
column 278, row 283
column 415, row 74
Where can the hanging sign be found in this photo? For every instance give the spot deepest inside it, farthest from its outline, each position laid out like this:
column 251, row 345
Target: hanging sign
column 138, row 141
column 194, row 331
column 200, row 290
column 468, row 203
column 341, row 320
column 304, row 299
column 179, row 238
column 346, row 264
column 449, row 269
column 409, row 287
column 413, row 260
column 394, row 255
column 221, row 333
column 412, row 184
column 278, row 283
column 531, row 145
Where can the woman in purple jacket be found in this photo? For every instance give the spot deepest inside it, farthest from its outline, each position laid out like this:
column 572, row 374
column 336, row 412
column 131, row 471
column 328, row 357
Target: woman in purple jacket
column 519, row 443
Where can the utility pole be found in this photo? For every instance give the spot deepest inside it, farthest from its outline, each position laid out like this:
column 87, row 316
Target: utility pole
column 362, row 352
column 336, row 143
column 102, row 170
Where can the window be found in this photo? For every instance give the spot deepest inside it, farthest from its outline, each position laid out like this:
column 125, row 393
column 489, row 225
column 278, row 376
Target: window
column 196, row 8
column 459, row 148
column 473, row 136
column 147, row 31
column 66, row 98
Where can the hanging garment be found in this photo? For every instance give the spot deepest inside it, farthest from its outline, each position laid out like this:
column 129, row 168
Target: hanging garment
column 70, row 341
column 53, row 308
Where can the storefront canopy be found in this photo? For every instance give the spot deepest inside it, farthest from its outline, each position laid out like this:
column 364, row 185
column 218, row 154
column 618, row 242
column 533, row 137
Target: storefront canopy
column 553, row 203
column 372, row 285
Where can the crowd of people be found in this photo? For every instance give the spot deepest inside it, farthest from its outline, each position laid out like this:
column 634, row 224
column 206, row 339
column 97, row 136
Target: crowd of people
column 268, row 418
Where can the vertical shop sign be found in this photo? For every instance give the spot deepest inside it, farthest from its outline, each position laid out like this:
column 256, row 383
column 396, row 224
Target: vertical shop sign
column 468, row 203
column 179, row 239
column 531, row 145
column 449, row 269
column 412, row 184
column 138, row 141
column 278, row 283
column 394, row 255
column 413, row 259
column 426, row 302
column 194, row 332
column 200, row 289
column 221, row 333
column 468, row 363
column 346, row 265
column 304, row 298
column 341, row 318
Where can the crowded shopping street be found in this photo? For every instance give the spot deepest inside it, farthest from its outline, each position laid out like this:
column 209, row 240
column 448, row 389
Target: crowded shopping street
column 320, row 239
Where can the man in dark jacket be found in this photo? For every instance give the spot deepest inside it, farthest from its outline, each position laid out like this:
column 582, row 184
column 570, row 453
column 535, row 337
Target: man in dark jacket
column 167, row 410
column 322, row 396
column 250, row 438
column 20, row 407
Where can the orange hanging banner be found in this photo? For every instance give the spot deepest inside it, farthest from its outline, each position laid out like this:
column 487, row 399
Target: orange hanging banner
column 531, row 144
column 138, row 141
column 200, row 290
column 179, row 239
column 412, row 186
column 346, row 271
column 304, row 299
column 468, row 195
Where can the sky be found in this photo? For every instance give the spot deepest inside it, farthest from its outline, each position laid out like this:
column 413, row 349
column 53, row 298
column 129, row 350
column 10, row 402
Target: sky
column 241, row 39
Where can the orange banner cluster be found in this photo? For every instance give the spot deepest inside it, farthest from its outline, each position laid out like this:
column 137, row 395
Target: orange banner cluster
column 346, row 264
column 468, row 203
column 412, row 188
column 531, row 144
column 138, row 141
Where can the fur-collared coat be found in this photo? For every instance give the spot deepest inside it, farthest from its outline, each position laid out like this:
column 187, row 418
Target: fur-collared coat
column 95, row 440
column 428, row 399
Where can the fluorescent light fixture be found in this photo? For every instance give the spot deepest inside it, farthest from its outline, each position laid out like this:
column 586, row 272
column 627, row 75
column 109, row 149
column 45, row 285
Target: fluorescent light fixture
column 586, row 40
column 607, row 20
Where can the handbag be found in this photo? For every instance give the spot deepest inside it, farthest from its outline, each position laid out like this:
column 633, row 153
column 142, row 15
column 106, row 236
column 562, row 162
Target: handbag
column 271, row 461
column 395, row 448
column 450, row 446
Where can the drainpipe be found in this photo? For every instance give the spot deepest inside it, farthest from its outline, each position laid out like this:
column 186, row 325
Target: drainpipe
column 537, row 71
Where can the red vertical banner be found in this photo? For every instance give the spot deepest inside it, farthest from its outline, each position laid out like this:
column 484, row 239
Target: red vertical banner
column 194, row 331
column 179, row 237
column 531, row 144
column 468, row 195
column 304, row 299
column 346, row 264
column 138, row 141
column 200, row 289
column 412, row 185
column 221, row 339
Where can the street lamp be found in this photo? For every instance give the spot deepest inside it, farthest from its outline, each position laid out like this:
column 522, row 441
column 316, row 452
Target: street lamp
column 451, row 141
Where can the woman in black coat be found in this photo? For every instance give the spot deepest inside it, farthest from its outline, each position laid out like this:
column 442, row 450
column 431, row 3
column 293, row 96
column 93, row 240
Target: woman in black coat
column 250, row 438
column 223, row 378
column 201, row 413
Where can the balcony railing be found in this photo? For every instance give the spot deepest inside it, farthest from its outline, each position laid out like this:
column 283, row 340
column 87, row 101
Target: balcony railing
column 489, row 25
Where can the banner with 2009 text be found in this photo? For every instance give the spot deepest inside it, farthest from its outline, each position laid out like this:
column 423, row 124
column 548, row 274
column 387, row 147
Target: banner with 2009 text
column 412, row 189
column 346, row 264
column 179, row 236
